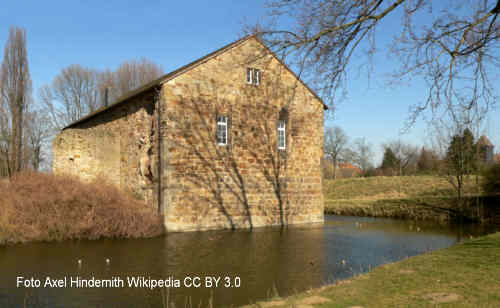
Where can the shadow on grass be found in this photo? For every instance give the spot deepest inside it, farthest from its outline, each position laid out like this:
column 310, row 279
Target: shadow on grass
column 476, row 208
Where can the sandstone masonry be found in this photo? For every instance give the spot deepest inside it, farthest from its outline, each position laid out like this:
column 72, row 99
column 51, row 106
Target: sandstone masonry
column 162, row 143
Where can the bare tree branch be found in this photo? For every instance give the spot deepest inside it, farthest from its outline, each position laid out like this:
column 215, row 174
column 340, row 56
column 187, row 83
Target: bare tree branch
column 452, row 45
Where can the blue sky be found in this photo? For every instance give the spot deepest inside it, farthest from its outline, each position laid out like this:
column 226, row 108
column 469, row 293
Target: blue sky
column 103, row 34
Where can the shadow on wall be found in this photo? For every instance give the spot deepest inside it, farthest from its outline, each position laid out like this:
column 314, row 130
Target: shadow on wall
column 226, row 160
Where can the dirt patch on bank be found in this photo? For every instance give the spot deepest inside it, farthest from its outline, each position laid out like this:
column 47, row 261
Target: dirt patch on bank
column 274, row 303
column 313, row 300
column 441, row 297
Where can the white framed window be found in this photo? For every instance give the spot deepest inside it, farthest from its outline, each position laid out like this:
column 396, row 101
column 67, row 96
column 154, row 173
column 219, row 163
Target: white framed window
column 281, row 135
column 222, row 130
column 256, row 77
column 253, row 76
column 249, row 75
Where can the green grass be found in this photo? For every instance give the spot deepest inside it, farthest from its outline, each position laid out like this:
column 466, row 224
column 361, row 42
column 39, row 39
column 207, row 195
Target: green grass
column 391, row 187
column 418, row 197
column 465, row 275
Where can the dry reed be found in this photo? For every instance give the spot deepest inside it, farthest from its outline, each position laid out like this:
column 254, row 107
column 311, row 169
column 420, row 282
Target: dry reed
column 46, row 207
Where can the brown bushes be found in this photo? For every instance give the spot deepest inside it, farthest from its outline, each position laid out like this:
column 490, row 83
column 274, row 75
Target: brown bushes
column 38, row 206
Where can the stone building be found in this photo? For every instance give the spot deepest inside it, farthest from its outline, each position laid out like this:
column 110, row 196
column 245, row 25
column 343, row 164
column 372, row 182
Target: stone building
column 231, row 140
column 486, row 149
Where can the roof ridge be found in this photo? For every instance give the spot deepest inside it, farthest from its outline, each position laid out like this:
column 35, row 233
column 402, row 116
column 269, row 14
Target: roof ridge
column 168, row 76
column 483, row 140
column 159, row 81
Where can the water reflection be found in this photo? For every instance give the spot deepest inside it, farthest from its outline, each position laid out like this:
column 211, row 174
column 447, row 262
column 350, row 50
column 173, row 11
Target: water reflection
column 266, row 260
column 364, row 243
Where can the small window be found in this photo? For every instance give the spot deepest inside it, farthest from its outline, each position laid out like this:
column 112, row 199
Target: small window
column 281, row 135
column 222, row 130
column 249, row 75
column 253, row 76
column 256, row 77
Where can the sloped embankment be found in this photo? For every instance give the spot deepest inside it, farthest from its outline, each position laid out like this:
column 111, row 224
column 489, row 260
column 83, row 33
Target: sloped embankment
column 46, row 207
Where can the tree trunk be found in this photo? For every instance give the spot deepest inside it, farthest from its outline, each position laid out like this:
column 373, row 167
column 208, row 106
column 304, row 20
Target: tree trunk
column 16, row 140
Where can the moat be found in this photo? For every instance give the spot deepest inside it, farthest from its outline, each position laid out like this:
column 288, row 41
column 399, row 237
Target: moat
column 246, row 266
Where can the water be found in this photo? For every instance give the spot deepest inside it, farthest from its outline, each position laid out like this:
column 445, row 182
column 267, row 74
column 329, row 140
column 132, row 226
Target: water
column 257, row 264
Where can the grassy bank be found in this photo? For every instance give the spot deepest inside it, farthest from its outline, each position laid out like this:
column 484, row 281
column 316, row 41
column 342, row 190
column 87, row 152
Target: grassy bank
column 465, row 275
column 415, row 197
column 45, row 207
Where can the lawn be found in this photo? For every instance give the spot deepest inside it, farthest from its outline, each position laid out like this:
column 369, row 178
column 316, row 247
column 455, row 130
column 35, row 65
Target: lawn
column 416, row 197
column 392, row 187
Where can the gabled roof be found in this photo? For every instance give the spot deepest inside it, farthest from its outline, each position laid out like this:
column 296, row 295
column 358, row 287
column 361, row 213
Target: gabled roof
column 484, row 141
column 158, row 82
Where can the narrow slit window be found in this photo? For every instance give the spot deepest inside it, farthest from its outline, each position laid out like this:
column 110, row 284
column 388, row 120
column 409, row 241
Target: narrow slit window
column 281, row 135
column 222, row 130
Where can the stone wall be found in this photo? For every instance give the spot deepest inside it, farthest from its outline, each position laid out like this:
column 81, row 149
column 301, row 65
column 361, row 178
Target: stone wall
column 249, row 182
column 117, row 146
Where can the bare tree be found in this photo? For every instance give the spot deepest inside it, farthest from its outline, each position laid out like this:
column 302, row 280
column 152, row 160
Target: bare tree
column 427, row 161
column 455, row 50
column 335, row 145
column 130, row 75
column 454, row 140
column 107, row 87
column 72, row 95
column 363, row 154
column 5, row 135
column 78, row 90
column 15, row 92
column 406, row 155
column 38, row 131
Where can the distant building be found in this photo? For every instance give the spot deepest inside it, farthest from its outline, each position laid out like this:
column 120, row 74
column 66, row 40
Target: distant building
column 496, row 158
column 349, row 170
column 485, row 150
column 343, row 170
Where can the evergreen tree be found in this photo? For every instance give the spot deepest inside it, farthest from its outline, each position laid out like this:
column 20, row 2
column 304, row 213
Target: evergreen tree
column 390, row 162
column 461, row 159
column 461, row 154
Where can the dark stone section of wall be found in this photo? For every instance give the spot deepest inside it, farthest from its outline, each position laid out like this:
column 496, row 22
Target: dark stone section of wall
column 117, row 146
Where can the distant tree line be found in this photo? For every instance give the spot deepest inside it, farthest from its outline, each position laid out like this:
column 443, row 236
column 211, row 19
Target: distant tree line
column 27, row 125
column 463, row 156
column 77, row 90
column 463, row 160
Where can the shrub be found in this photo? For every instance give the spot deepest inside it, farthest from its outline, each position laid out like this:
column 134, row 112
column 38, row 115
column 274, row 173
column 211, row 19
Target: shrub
column 491, row 179
column 372, row 172
column 38, row 206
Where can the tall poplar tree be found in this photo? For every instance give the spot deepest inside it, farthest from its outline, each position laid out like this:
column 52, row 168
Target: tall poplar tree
column 15, row 92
